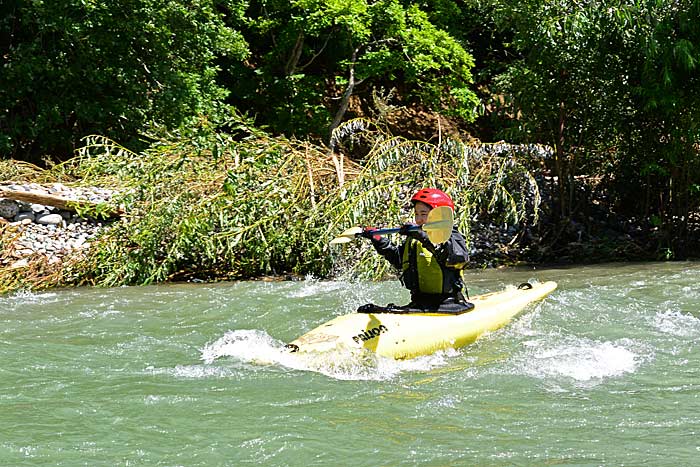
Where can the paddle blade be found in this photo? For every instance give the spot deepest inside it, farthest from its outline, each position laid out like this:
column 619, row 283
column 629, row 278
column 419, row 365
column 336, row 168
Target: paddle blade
column 347, row 235
column 439, row 225
column 441, row 213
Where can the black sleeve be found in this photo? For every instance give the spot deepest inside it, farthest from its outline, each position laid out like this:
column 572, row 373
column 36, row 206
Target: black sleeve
column 453, row 253
column 388, row 250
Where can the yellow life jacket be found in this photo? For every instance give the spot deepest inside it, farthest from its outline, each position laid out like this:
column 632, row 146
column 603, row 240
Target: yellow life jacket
column 430, row 273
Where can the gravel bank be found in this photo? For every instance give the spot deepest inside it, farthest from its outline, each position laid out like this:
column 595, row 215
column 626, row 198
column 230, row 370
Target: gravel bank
column 33, row 229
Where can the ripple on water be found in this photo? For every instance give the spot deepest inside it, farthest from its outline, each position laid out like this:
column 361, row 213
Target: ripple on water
column 194, row 371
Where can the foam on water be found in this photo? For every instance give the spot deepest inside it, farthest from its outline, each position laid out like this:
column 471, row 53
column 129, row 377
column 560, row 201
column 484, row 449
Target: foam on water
column 255, row 347
column 581, row 359
column 28, row 297
column 677, row 324
column 312, row 287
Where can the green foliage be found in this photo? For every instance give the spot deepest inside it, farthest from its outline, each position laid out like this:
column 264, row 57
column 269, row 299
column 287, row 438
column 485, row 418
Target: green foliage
column 486, row 182
column 75, row 67
column 439, row 67
column 305, row 54
column 613, row 86
column 102, row 211
column 193, row 215
column 213, row 205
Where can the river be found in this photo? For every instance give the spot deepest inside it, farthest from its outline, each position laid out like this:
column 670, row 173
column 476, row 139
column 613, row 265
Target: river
column 603, row 372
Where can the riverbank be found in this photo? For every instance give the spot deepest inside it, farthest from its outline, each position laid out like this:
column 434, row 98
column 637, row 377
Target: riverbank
column 267, row 207
column 40, row 241
column 45, row 230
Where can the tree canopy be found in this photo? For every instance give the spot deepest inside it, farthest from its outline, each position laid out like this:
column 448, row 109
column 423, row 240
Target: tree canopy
column 75, row 67
column 309, row 58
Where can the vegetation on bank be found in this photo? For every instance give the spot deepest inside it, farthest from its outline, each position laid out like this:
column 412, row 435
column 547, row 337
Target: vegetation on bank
column 251, row 205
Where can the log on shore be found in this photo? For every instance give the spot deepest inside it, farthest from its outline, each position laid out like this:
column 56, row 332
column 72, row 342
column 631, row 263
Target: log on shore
column 59, row 202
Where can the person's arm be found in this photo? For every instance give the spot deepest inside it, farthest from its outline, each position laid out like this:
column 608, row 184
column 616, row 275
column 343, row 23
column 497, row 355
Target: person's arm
column 388, row 250
column 453, row 253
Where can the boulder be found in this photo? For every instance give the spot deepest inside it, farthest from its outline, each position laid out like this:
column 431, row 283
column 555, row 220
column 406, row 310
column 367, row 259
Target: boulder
column 50, row 219
column 8, row 208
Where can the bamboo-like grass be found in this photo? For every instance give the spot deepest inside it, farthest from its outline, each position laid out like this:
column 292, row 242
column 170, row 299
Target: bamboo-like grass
column 245, row 204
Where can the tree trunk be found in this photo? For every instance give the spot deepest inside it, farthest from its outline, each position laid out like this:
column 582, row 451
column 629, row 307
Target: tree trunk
column 291, row 65
column 345, row 101
column 561, row 166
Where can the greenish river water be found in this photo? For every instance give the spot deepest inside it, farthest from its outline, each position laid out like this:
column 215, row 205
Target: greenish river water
column 604, row 372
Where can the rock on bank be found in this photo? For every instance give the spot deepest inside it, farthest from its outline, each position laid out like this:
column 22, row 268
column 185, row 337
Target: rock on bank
column 51, row 228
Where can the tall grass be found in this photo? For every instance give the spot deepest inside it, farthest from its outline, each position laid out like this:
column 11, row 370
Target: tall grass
column 488, row 183
column 242, row 204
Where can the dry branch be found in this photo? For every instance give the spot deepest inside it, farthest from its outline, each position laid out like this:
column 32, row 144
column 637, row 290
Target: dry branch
column 60, row 202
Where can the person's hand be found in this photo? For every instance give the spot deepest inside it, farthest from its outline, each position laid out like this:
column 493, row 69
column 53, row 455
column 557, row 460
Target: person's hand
column 408, row 229
column 368, row 232
column 414, row 231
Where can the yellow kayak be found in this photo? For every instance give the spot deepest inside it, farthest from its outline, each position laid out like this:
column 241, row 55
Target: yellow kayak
column 402, row 336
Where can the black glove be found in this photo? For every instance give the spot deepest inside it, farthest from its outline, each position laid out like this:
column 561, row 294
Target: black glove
column 368, row 232
column 414, row 231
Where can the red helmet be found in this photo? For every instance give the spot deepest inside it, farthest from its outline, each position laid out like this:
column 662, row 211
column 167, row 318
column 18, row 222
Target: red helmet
column 433, row 198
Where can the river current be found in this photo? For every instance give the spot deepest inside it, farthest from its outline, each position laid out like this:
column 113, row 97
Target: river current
column 603, row 372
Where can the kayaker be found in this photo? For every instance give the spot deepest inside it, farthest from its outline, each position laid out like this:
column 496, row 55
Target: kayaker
column 432, row 273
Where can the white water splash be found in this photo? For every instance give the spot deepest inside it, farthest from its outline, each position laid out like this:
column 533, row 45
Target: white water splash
column 246, row 344
column 677, row 324
column 27, row 296
column 255, row 347
column 312, row 287
column 581, row 359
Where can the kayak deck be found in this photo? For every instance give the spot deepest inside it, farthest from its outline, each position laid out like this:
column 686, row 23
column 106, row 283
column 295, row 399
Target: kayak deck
column 402, row 336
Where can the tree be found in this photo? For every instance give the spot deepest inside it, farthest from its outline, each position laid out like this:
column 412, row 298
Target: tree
column 76, row 67
column 559, row 85
column 311, row 57
column 613, row 86
column 665, row 146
